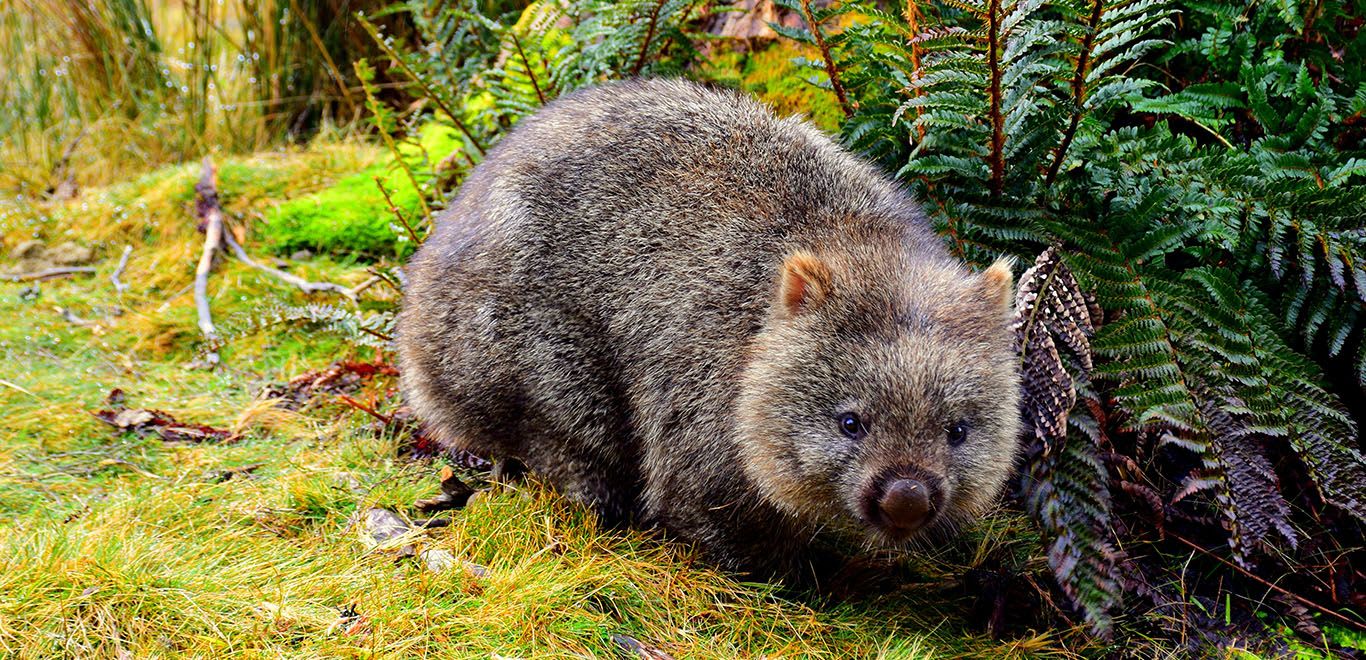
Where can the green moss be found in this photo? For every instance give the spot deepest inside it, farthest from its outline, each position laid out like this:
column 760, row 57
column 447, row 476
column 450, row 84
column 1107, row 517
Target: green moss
column 351, row 217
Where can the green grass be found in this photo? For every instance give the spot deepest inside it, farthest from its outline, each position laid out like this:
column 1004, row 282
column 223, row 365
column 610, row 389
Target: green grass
column 114, row 544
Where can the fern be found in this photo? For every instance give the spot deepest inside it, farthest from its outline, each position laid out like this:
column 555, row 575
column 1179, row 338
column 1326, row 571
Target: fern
column 1065, row 483
column 1218, row 218
column 373, row 330
column 500, row 64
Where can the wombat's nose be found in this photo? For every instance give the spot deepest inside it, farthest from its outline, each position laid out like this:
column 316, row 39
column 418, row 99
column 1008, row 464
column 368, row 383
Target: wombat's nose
column 906, row 504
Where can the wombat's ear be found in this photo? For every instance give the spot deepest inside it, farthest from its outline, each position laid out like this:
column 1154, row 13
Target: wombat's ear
column 805, row 283
column 999, row 283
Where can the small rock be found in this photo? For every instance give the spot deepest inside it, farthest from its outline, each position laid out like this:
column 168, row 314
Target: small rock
column 301, row 255
column 632, row 645
column 382, row 526
column 70, row 254
column 32, row 249
column 437, row 560
column 348, row 481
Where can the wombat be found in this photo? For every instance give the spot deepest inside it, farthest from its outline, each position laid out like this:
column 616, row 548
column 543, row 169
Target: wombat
column 686, row 312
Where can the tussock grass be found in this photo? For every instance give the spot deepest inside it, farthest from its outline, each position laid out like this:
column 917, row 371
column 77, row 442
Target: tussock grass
column 95, row 88
column 115, row 544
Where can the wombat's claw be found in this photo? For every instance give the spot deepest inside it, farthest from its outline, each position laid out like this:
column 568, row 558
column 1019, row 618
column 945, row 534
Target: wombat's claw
column 507, row 475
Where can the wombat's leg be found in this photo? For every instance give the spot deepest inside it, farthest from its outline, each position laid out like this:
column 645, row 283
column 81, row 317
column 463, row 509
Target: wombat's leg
column 574, row 428
column 510, row 471
column 600, row 481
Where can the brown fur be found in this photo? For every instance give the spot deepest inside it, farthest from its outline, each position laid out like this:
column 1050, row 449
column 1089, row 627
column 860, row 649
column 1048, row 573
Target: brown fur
column 662, row 299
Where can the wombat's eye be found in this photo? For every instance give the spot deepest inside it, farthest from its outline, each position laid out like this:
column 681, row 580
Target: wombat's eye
column 852, row 426
column 958, row 433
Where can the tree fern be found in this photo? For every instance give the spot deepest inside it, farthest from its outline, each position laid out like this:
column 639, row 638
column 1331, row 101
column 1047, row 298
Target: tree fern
column 1065, row 483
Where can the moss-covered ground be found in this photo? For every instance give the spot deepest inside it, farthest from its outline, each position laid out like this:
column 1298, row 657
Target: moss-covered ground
column 117, row 545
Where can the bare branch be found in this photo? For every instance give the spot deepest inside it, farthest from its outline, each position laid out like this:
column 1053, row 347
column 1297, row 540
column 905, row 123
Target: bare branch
column 49, row 273
column 118, row 272
column 210, row 215
column 289, row 278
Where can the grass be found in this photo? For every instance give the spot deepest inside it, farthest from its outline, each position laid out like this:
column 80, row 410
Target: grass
column 96, row 88
column 113, row 544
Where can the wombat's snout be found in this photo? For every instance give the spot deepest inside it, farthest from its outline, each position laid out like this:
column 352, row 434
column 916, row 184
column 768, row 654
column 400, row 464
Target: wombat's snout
column 904, row 501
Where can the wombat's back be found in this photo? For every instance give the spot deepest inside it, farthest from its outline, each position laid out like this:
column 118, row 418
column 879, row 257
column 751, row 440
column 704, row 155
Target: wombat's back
column 641, row 204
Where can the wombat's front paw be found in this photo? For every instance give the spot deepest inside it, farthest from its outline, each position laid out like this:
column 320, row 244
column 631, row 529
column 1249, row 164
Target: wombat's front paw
column 861, row 577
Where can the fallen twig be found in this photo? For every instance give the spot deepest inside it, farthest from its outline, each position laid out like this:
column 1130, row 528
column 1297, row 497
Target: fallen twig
column 118, row 272
column 383, row 418
column 210, row 215
column 373, row 280
column 388, row 280
column 290, row 278
column 50, row 273
column 71, row 318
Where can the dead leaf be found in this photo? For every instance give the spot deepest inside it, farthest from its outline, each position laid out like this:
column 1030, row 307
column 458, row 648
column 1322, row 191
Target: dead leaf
column 146, row 422
column 454, row 494
column 341, row 377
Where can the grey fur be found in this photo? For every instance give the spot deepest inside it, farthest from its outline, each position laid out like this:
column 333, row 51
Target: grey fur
column 605, row 301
